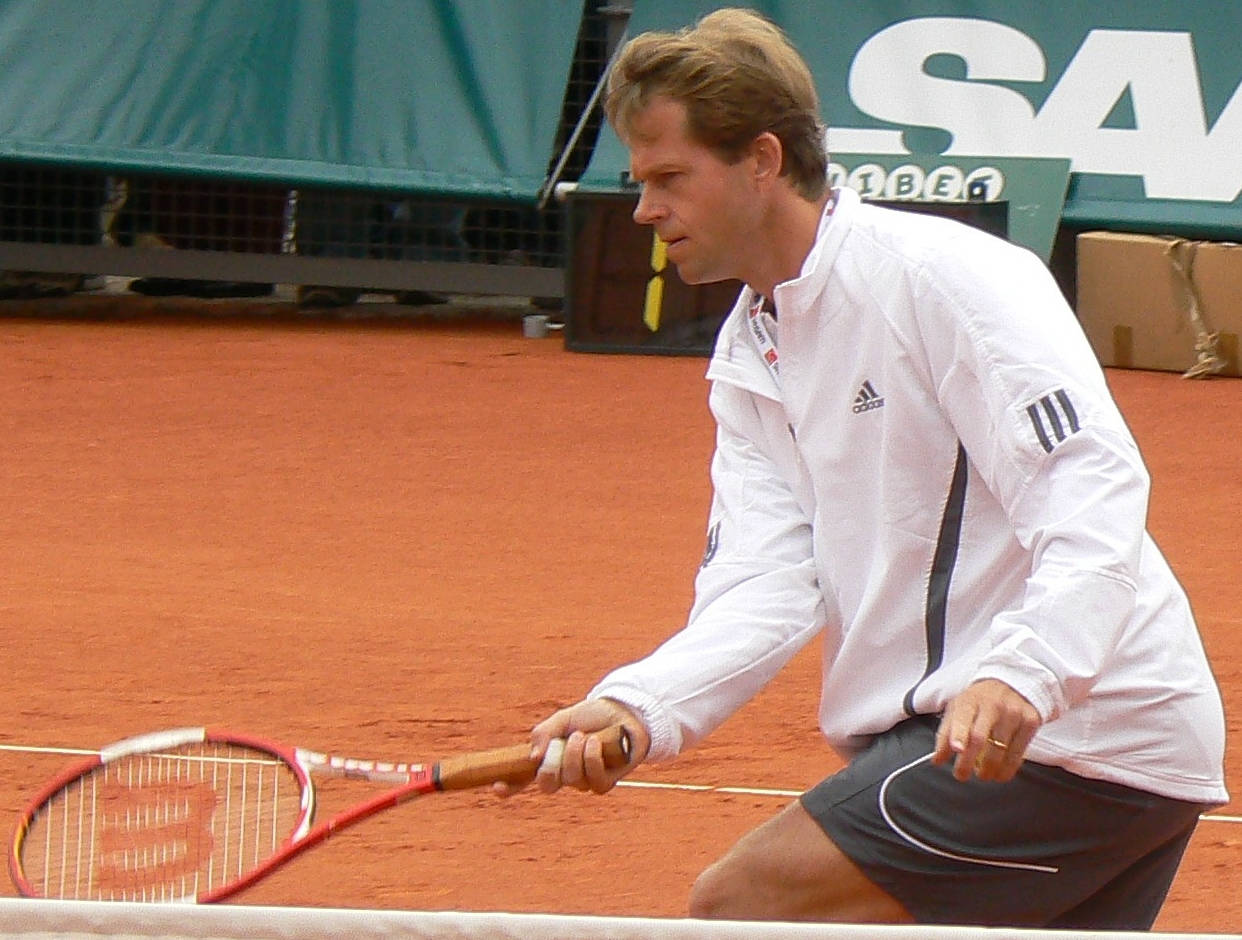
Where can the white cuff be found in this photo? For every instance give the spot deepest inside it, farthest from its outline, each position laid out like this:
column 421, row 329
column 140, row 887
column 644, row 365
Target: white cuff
column 665, row 736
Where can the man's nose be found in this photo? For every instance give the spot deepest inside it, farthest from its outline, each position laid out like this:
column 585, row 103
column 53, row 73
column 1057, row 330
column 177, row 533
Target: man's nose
column 646, row 211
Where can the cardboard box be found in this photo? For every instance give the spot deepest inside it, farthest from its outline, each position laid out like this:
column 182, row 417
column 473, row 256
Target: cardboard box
column 1159, row 302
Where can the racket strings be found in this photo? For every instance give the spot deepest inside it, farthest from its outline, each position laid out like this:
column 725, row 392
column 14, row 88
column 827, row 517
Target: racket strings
column 164, row 826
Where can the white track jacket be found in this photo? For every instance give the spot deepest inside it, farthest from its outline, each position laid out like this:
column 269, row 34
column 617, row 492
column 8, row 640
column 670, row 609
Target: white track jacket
column 933, row 472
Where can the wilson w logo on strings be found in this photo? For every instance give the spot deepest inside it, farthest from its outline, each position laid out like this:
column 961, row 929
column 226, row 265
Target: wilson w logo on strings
column 165, row 825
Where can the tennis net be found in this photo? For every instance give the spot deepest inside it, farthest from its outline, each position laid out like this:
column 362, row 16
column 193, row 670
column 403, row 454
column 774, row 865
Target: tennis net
column 77, row 920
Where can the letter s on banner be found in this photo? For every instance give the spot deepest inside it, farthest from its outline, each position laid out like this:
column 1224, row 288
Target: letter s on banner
column 887, row 81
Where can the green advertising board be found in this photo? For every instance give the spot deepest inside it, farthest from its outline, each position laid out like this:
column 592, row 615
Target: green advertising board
column 1142, row 99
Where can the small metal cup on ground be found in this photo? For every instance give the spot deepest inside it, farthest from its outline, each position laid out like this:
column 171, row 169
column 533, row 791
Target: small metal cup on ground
column 535, row 326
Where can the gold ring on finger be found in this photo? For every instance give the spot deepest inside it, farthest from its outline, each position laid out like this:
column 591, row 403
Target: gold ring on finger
column 998, row 744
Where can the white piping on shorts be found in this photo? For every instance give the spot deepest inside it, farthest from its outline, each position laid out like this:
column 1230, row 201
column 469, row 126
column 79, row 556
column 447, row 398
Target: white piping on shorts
column 892, row 824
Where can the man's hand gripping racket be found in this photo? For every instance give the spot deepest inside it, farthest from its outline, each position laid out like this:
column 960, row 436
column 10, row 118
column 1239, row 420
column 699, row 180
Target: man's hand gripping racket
column 570, row 751
column 193, row 815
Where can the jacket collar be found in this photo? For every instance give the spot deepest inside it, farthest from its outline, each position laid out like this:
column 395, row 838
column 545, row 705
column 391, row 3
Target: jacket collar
column 737, row 358
column 835, row 223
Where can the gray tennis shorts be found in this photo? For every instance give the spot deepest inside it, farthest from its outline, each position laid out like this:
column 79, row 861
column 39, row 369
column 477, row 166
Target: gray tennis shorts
column 1046, row 849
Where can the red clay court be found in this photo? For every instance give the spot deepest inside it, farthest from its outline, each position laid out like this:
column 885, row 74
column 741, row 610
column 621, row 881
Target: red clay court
column 403, row 539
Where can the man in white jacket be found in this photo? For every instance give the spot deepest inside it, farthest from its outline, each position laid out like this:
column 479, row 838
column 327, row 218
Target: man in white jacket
column 916, row 454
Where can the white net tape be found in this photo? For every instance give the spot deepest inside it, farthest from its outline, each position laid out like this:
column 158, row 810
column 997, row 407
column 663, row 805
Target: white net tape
column 44, row 920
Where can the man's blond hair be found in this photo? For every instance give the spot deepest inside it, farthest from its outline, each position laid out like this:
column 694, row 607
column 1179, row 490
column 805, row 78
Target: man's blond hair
column 738, row 75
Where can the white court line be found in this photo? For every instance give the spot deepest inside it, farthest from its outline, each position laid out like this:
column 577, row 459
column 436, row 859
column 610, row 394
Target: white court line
column 31, row 749
column 707, row 788
column 761, row 791
column 635, row 784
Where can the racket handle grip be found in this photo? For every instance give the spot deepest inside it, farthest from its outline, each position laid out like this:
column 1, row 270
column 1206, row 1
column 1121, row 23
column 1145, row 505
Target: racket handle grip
column 513, row 764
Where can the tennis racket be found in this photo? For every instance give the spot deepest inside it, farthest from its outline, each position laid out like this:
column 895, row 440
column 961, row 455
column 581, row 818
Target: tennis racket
column 194, row 815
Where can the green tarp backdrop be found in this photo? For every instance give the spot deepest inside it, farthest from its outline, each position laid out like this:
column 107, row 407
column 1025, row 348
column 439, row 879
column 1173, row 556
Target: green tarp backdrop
column 453, row 97
column 1142, row 97
column 463, row 98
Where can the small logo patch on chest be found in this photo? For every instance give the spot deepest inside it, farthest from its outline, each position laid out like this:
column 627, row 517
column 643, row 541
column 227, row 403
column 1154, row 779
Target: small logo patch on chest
column 867, row 399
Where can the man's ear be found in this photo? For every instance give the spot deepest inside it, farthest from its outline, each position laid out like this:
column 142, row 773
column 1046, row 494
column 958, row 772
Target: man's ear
column 768, row 154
